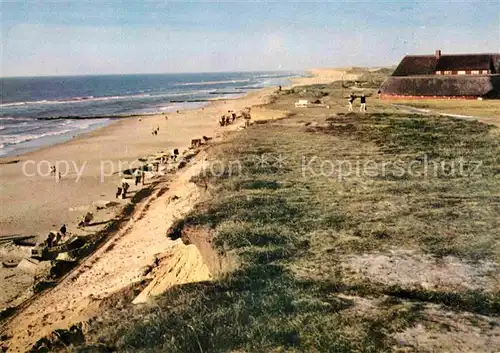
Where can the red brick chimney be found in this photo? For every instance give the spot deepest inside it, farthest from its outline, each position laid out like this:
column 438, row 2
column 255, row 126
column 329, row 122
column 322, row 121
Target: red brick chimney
column 438, row 53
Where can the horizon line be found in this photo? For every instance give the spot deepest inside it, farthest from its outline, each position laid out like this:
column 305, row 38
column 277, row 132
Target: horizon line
column 157, row 73
column 308, row 70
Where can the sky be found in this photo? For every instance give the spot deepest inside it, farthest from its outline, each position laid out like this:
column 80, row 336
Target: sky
column 43, row 38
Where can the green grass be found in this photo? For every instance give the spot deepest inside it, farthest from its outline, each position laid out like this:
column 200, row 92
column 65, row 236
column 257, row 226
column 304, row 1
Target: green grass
column 290, row 230
column 485, row 108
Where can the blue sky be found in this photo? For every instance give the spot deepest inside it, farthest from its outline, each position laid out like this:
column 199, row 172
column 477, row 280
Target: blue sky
column 111, row 37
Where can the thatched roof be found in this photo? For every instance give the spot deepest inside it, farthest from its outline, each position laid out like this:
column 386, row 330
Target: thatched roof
column 416, row 65
column 465, row 62
column 453, row 85
column 413, row 65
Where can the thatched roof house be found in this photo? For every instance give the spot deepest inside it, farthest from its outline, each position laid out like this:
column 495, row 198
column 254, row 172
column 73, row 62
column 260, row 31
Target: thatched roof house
column 445, row 76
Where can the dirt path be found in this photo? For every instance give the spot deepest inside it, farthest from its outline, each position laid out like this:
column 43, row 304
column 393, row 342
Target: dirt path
column 119, row 263
column 487, row 120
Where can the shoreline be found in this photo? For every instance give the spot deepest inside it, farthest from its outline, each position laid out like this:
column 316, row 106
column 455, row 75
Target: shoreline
column 96, row 144
column 71, row 135
column 40, row 144
column 42, row 203
column 154, row 98
column 112, row 143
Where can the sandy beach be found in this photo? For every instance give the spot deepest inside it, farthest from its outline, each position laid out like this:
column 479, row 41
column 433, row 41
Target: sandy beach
column 35, row 202
column 326, row 75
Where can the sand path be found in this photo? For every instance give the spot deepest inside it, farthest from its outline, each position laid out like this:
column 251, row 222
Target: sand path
column 492, row 120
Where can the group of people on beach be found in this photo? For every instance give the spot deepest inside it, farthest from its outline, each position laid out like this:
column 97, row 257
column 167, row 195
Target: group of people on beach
column 173, row 156
column 231, row 116
column 155, row 130
column 246, row 115
column 54, row 238
column 53, row 171
column 228, row 118
column 351, row 100
column 121, row 191
column 139, row 176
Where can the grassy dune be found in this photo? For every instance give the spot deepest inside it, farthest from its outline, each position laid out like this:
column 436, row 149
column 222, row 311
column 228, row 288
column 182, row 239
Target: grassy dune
column 299, row 233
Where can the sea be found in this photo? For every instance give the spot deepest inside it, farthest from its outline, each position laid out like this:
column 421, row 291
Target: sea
column 41, row 111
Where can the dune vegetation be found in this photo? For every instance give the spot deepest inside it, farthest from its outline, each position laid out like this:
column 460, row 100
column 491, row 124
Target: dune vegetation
column 331, row 257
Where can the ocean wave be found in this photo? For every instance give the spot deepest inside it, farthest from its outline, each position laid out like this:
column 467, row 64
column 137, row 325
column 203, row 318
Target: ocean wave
column 12, row 104
column 257, row 86
column 9, row 140
column 74, row 100
column 272, row 75
column 189, row 101
column 224, row 92
column 83, row 117
column 86, row 99
column 10, row 118
column 201, row 83
column 15, row 121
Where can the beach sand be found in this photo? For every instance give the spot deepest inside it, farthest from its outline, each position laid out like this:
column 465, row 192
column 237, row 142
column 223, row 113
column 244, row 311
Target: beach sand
column 32, row 203
column 326, row 75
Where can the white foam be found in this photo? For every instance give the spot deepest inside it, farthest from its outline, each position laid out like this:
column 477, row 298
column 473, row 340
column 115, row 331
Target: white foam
column 201, row 83
column 12, row 104
column 6, row 140
column 9, row 140
column 75, row 100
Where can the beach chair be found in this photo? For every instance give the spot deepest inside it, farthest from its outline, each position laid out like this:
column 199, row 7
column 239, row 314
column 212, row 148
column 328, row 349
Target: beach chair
column 302, row 103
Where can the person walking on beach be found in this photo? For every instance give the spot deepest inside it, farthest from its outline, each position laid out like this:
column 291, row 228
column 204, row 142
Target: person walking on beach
column 362, row 108
column 143, row 177
column 137, row 175
column 50, row 240
column 125, row 187
column 119, row 190
column 247, row 117
column 351, row 99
